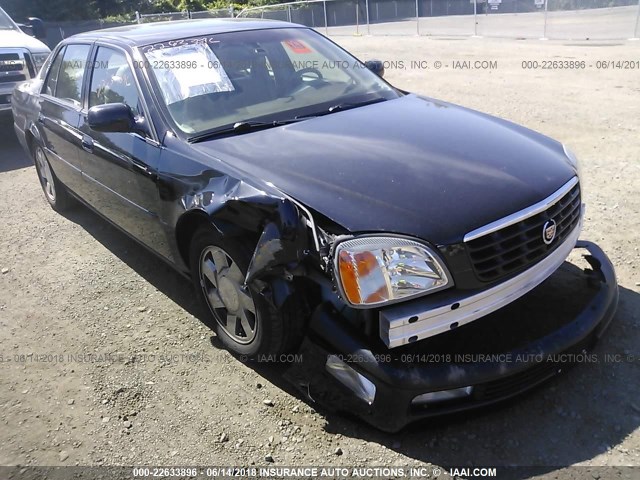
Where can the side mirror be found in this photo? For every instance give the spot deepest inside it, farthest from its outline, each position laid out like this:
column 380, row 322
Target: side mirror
column 376, row 66
column 37, row 28
column 25, row 28
column 112, row 117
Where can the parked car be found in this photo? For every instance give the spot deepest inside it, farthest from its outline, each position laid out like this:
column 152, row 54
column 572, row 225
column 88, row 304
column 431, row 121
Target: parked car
column 306, row 197
column 21, row 56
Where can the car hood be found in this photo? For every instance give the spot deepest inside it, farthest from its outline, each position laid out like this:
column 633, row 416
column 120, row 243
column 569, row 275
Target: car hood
column 412, row 166
column 19, row 39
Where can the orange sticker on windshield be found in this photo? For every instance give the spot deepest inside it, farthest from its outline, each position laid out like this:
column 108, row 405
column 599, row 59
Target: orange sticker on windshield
column 297, row 46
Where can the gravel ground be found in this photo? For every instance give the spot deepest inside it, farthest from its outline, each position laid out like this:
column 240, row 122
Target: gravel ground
column 98, row 307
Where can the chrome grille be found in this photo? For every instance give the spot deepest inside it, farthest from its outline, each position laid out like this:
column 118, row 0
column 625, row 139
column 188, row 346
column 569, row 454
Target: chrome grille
column 520, row 244
column 14, row 66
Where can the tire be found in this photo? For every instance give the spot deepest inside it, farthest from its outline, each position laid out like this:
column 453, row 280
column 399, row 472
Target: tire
column 258, row 328
column 54, row 191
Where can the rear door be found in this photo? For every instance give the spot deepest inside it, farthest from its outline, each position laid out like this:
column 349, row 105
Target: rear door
column 121, row 168
column 60, row 110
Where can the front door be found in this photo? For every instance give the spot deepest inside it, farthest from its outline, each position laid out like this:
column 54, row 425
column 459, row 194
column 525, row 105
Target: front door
column 121, row 168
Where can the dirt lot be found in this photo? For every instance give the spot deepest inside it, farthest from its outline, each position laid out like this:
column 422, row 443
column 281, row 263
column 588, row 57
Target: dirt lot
column 73, row 285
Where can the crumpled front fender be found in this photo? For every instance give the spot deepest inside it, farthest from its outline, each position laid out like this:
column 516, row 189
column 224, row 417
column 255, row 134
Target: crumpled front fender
column 283, row 242
column 235, row 206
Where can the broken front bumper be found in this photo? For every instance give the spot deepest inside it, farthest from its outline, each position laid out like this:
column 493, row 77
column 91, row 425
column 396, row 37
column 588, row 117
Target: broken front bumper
column 494, row 358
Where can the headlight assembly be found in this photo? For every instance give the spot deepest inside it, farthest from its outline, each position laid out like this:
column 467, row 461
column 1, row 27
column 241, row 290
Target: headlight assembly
column 374, row 270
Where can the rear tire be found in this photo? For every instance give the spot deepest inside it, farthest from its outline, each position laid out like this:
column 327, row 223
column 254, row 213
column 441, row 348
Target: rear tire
column 54, row 191
column 244, row 321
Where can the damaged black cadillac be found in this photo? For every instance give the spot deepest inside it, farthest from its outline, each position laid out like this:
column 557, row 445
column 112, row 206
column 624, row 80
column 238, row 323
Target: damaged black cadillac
column 416, row 251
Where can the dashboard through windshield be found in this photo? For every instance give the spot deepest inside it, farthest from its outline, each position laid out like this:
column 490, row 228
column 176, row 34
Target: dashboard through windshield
column 210, row 82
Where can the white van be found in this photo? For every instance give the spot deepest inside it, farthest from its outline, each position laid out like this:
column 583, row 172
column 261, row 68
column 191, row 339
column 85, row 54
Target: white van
column 21, row 56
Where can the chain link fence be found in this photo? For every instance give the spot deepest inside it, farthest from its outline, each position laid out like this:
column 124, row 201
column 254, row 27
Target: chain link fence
column 163, row 17
column 219, row 13
column 554, row 19
column 56, row 31
column 559, row 19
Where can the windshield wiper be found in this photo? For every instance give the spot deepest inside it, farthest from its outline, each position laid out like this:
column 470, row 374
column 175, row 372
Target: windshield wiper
column 343, row 106
column 248, row 126
column 242, row 127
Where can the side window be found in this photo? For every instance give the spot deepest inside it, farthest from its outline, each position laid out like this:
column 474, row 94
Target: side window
column 52, row 78
column 112, row 81
column 69, row 85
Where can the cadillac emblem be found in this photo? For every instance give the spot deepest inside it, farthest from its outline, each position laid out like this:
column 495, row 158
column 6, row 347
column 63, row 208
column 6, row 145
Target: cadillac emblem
column 549, row 231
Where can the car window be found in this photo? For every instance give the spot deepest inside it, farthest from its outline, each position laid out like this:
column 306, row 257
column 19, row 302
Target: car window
column 217, row 80
column 69, row 84
column 52, row 78
column 6, row 23
column 112, row 81
column 305, row 59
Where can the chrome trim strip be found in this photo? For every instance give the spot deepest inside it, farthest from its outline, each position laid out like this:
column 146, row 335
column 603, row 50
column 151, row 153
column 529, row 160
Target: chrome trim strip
column 68, row 128
column 433, row 317
column 125, row 199
column 48, row 151
column 522, row 214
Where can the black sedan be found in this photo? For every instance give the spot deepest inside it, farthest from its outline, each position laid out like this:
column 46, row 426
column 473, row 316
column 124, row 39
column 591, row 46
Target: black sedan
column 306, row 197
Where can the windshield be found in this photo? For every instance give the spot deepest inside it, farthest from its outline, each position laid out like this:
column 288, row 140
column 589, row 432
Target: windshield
column 267, row 75
column 5, row 21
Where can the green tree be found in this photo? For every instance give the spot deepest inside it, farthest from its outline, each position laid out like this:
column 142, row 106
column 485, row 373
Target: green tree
column 52, row 10
column 19, row 10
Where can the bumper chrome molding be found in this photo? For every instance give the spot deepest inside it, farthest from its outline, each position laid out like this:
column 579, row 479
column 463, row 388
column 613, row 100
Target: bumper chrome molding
column 426, row 317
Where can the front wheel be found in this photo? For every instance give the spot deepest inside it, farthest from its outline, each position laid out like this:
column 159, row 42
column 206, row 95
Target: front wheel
column 54, row 191
column 244, row 321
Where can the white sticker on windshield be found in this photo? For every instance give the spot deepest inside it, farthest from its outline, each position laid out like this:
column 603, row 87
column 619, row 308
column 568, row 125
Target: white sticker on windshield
column 186, row 71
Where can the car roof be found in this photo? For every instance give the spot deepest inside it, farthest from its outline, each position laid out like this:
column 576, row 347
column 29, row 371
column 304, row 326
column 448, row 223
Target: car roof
column 147, row 33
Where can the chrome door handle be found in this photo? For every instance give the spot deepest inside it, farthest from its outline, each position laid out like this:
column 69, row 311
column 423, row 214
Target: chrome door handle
column 87, row 144
column 141, row 168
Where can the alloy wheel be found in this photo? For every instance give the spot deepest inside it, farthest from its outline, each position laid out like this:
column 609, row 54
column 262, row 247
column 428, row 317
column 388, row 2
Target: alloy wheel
column 229, row 300
column 46, row 175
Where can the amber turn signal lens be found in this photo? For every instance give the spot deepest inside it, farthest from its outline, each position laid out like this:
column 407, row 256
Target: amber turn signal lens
column 354, row 269
column 348, row 276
